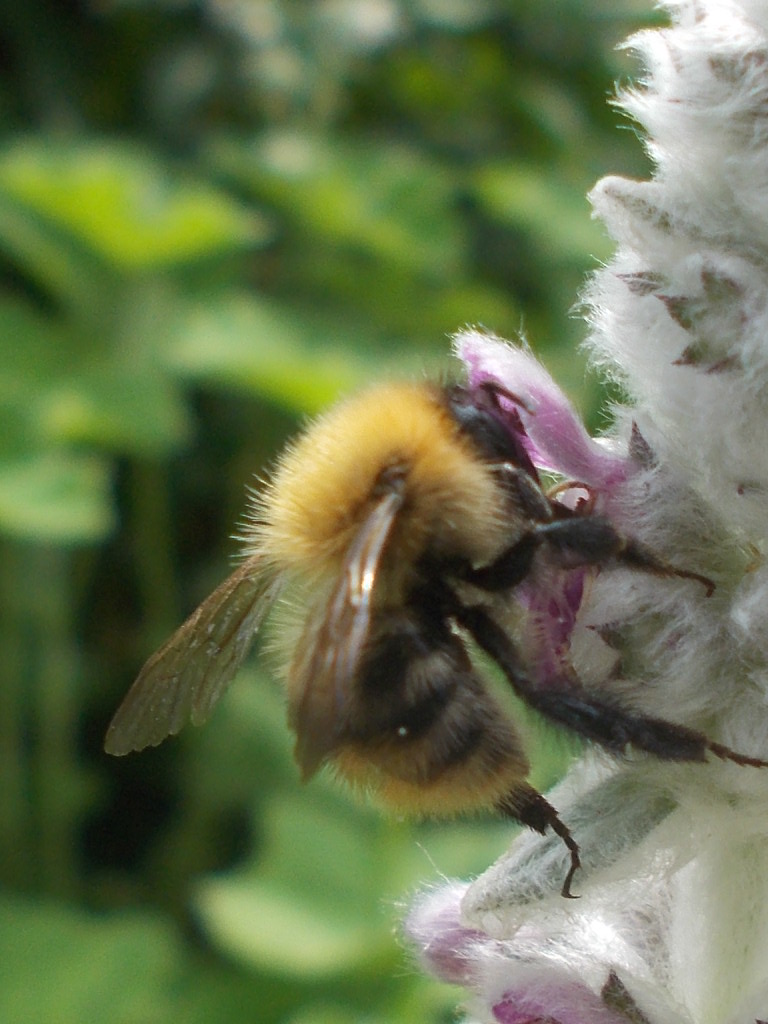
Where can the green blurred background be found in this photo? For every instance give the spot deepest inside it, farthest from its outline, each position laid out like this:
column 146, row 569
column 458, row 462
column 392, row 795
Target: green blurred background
column 215, row 217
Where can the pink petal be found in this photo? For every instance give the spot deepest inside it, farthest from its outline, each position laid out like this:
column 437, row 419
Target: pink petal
column 445, row 946
column 554, row 1001
column 555, row 437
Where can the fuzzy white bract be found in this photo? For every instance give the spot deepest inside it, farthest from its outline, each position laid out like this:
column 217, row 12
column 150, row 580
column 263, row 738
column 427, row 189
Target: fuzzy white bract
column 672, row 922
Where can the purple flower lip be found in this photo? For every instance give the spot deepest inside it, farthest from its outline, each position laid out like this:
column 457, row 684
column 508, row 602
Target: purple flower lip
column 445, row 946
column 552, row 432
column 546, row 427
column 551, row 612
column 544, row 999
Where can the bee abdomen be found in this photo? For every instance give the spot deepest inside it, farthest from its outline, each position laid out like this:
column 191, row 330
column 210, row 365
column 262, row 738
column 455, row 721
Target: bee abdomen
column 421, row 712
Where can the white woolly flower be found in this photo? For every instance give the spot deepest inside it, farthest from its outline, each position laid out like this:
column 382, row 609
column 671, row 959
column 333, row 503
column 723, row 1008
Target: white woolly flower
column 672, row 922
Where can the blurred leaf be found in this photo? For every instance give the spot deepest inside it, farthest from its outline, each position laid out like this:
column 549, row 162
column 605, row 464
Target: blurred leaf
column 69, row 967
column 58, row 384
column 217, row 991
column 32, row 358
column 310, row 903
column 246, row 744
column 61, row 498
column 124, row 406
column 122, row 202
column 255, row 345
column 455, row 14
column 47, row 255
column 383, row 301
column 320, row 845
column 531, row 198
column 391, row 201
column 332, row 1013
column 33, row 342
column 268, row 927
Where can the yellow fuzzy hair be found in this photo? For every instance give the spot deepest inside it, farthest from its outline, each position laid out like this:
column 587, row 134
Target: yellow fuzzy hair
column 321, row 491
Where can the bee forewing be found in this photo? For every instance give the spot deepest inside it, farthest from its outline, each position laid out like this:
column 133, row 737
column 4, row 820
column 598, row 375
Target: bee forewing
column 334, row 638
column 185, row 678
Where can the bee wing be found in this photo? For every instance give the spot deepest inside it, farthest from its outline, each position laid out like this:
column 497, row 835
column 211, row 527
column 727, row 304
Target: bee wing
column 335, row 637
column 185, row 678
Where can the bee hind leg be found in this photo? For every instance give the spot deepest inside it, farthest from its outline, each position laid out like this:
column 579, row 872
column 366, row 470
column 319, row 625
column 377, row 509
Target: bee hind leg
column 529, row 807
column 595, row 717
column 616, row 728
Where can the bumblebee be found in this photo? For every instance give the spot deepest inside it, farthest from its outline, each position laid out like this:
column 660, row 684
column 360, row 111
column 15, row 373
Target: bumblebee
column 407, row 517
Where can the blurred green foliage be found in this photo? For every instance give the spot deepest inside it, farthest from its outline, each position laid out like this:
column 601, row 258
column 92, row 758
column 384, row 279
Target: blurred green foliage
column 215, row 216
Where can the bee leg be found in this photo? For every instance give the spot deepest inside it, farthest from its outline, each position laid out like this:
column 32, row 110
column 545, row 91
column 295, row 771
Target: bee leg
column 530, row 808
column 638, row 556
column 572, row 543
column 617, row 728
column 592, row 540
column 603, row 721
column 509, row 569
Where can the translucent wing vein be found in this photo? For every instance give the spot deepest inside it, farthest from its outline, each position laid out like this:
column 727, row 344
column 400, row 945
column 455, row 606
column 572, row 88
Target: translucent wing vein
column 185, row 678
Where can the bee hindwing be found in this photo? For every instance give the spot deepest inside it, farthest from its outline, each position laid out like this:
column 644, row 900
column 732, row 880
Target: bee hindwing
column 185, row 678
